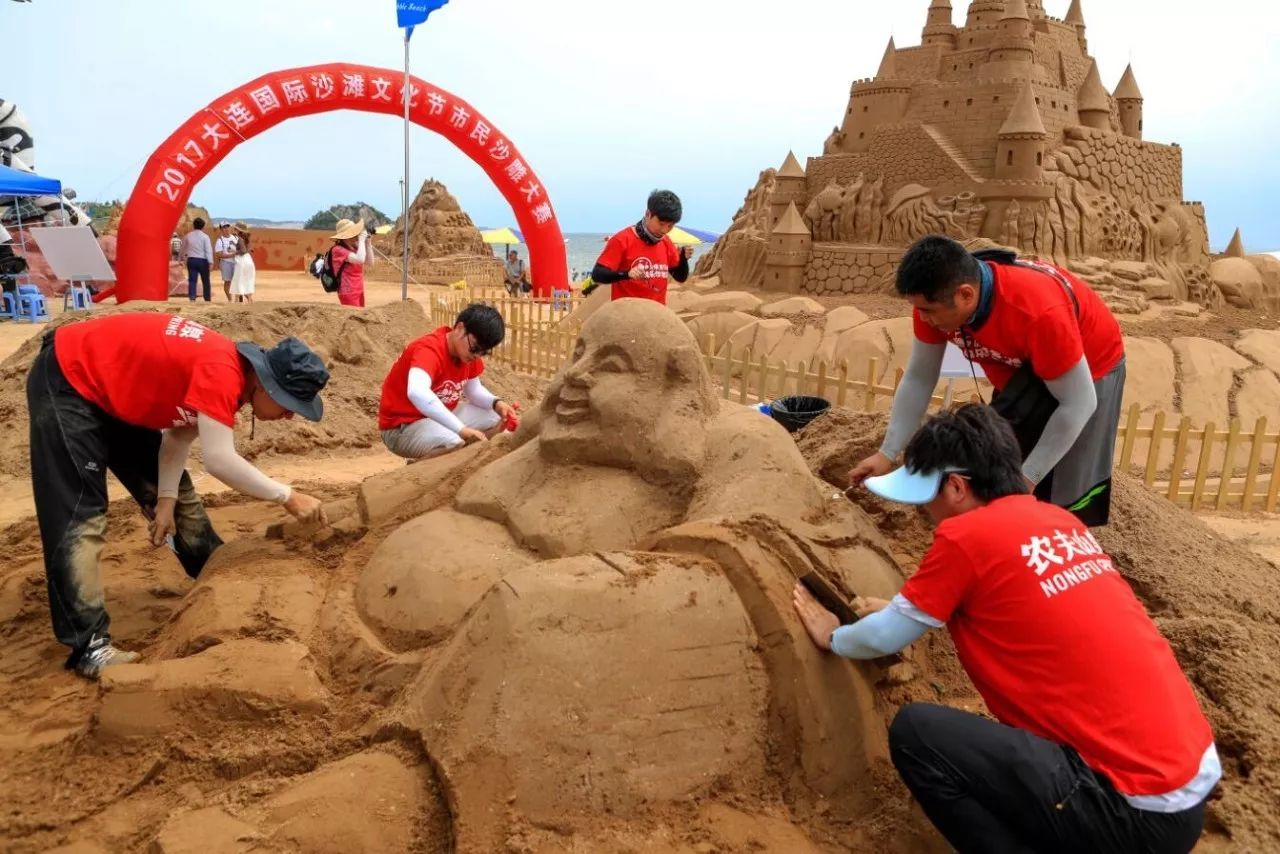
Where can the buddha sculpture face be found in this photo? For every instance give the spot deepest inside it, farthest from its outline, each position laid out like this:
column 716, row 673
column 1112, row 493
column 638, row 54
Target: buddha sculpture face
column 635, row 395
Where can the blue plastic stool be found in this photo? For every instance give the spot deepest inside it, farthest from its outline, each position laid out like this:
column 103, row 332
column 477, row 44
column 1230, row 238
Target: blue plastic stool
column 77, row 297
column 31, row 305
column 9, row 306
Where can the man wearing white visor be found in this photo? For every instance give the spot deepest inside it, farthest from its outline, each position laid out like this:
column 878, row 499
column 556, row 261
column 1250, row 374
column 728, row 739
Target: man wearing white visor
column 1098, row 743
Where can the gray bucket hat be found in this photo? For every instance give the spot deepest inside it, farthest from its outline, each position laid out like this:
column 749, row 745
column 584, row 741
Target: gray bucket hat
column 291, row 374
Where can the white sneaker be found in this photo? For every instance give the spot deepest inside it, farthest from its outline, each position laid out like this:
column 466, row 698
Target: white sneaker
column 103, row 655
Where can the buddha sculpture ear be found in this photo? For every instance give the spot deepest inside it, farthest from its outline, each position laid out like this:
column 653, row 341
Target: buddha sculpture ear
column 684, row 364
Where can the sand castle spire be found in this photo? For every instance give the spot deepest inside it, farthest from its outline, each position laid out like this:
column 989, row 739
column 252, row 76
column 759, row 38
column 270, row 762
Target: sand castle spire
column 1128, row 85
column 1093, row 104
column 887, row 69
column 1235, row 249
column 1129, row 97
column 791, row 222
column 791, row 167
column 1075, row 15
column 1024, row 118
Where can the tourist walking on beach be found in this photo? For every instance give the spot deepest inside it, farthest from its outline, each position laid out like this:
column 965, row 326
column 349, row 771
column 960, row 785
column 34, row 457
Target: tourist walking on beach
column 1048, row 344
column 197, row 252
column 637, row 260
column 1100, row 744
column 129, row 393
column 432, row 399
column 349, row 257
column 244, row 278
column 224, row 250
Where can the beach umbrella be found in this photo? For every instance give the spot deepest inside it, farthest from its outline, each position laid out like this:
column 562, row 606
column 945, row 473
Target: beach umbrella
column 383, row 229
column 502, row 236
column 690, row 236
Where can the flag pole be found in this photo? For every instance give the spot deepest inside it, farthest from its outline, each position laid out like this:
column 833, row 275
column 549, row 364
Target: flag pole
column 404, row 272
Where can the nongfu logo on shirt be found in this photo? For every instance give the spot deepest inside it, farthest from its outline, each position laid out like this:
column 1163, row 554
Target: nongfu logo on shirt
column 450, row 393
column 185, row 418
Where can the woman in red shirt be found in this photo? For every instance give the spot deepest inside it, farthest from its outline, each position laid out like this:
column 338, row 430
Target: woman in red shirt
column 349, row 257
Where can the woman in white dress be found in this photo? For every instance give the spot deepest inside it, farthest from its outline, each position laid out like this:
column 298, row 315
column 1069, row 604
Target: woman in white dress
column 243, row 281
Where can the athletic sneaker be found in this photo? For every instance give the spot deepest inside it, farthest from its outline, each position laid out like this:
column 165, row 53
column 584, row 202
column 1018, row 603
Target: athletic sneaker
column 96, row 658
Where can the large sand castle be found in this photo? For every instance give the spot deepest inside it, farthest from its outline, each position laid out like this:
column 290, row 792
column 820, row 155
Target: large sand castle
column 1000, row 130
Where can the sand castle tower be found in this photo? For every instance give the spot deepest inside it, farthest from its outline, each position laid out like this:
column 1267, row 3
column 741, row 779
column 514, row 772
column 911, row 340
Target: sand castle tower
column 876, row 102
column 790, row 189
column 984, row 13
column 1094, row 105
column 1014, row 49
column 1129, row 99
column 1075, row 17
column 1235, row 249
column 939, row 29
column 1020, row 153
column 790, row 245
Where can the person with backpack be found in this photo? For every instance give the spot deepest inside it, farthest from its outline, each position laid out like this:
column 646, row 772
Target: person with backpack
column 1048, row 344
column 346, row 261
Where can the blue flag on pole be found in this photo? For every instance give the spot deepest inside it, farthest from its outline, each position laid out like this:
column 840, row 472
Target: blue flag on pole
column 410, row 13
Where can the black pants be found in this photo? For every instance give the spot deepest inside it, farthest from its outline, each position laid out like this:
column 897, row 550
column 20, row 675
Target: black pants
column 988, row 787
column 73, row 445
column 198, row 268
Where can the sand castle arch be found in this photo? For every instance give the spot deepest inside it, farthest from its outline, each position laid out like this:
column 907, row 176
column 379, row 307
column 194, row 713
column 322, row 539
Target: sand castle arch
column 194, row 149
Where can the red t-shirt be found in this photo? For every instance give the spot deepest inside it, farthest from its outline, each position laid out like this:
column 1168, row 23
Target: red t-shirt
column 431, row 354
column 1058, row 645
column 152, row 370
column 626, row 251
column 1033, row 318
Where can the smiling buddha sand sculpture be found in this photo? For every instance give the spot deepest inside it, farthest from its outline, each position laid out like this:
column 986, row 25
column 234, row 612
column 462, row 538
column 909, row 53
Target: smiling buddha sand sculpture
column 607, row 610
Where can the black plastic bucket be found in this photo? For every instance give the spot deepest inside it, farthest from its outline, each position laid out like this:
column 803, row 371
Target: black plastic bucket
column 797, row 411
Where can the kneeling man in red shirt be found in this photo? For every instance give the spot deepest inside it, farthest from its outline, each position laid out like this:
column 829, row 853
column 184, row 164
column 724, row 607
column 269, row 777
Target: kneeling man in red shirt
column 1098, row 743
column 432, row 399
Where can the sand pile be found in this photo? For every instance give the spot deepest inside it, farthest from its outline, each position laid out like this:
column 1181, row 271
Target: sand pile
column 358, row 348
column 1216, row 602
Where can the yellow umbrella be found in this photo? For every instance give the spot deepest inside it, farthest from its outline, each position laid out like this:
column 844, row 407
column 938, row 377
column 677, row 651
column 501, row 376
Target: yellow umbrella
column 680, row 237
column 384, row 229
column 501, row 236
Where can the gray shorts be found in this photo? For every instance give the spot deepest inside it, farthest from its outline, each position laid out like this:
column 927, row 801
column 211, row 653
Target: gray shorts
column 1081, row 481
column 228, row 270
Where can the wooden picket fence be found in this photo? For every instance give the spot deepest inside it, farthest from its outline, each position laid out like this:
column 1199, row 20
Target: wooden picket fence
column 1198, row 467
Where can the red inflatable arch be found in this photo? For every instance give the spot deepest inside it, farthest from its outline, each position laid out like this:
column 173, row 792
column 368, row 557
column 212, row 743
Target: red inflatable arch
column 193, row 150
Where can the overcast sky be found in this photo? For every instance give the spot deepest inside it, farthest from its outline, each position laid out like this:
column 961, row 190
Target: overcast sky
column 607, row 99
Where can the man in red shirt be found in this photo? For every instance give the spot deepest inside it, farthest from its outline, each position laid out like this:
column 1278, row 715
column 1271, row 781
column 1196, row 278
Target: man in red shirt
column 1100, row 744
column 637, row 260
column 130, row 393
column 432, row 399
column 1028, row 325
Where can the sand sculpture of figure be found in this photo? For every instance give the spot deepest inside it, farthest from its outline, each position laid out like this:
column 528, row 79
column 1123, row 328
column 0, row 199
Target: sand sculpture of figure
column 609, row 585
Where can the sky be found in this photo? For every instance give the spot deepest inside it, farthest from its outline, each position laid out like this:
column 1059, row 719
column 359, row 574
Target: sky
column 606, row 99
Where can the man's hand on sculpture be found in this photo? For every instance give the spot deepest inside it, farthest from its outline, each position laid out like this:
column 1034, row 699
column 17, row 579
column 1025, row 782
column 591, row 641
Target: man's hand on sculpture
column 509, row 413
column 817, row 620
column 873, row 466
column 305, row 508
column 471, row 434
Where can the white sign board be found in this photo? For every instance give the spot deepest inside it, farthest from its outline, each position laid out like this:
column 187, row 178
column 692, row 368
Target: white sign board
column 73, row 253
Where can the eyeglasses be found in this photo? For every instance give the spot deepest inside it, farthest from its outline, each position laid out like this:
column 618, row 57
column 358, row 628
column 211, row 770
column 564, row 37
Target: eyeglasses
column 475, row 348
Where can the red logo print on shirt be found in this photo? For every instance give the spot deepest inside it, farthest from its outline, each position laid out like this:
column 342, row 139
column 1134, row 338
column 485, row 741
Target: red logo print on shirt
column 450, row 393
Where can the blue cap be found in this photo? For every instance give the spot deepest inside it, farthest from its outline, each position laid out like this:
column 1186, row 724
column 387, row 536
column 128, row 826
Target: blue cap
column 907, row 487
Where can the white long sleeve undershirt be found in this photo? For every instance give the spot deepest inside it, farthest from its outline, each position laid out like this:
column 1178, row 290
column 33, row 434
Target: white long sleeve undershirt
column 358, row 257
column 429, row 403
column 220, row 460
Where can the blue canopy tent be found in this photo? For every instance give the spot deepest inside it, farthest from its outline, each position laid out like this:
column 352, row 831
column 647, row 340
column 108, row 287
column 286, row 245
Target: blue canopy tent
column 15, row 182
